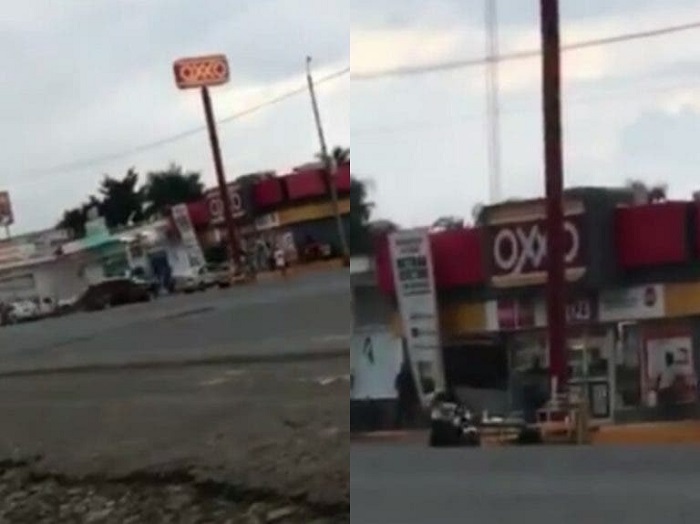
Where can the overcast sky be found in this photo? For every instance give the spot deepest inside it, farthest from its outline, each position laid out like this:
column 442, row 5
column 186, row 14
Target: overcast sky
column 87, row 79
column 632, row 110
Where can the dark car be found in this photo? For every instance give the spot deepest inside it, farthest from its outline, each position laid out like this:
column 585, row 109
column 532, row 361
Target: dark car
column 114, row 292
column 140, row 276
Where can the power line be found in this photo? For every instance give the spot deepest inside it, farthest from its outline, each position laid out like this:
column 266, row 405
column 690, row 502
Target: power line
column 95, row 161
column 613, row 94
column 522, row 55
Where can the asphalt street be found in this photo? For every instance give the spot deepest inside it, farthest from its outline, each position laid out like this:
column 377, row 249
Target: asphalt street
column 305, row 314
column 417, row 485
column 279, row 428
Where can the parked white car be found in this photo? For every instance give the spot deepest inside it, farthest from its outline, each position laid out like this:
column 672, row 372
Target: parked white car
column 197, row 279
column 23, row 311
column 47, row 307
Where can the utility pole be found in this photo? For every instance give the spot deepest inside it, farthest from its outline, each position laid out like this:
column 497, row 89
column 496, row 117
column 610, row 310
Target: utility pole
column 493, row 109
column 554, row 184
column 329, row 165
column 221, row 176
column 201, row 73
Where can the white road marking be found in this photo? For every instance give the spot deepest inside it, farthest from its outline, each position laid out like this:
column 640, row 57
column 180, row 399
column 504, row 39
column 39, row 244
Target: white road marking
column 330, row 339
column 214, row 382
column 327, row 381
column 228, row 376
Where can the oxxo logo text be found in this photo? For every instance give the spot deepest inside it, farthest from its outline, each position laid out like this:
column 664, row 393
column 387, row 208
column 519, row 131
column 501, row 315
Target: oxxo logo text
column 216, row 205
column 521, row 249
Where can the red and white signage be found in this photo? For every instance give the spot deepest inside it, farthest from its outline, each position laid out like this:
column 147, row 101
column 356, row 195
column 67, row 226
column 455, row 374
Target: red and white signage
column 635, row 303
column 522, row 314
column 412, row 264
column 519, row 252
column 216, row 204
column 7, row 217
column 183, row 222
column 202, row 71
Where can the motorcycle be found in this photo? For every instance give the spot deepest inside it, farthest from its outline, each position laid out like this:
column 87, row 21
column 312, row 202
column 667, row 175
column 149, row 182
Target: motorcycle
column 453, row 425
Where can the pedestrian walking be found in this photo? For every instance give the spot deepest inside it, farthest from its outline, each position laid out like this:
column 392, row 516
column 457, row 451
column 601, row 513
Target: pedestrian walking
column 407, row 397
column 281, row 261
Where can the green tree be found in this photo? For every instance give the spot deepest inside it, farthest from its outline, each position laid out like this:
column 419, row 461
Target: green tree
column 359, row 236
column 74, row 220
column 165, row 189
column 341, row 155
column 122, row 202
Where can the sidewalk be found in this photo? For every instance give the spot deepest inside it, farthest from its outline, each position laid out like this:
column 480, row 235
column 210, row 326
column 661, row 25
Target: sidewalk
column 390, row 437
column 302, row 269
column 648, row 434
column 661, row 433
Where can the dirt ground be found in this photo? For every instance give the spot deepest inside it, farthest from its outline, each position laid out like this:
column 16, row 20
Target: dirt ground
column 274, row 432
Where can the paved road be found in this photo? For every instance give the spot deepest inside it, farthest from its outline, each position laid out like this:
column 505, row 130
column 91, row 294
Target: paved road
column 304, row 314
column 416, row 485
column 281, row 427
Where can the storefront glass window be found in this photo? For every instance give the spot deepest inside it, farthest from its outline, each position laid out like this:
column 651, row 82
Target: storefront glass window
column 628, row 368
column 669, row 376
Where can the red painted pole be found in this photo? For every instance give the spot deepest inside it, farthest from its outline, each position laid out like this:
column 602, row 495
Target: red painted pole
column 221, row 177
column 554, row 182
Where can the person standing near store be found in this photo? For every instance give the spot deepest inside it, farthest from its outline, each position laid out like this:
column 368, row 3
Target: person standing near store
column 407, row 393
column 667, row 381
column 280, row 260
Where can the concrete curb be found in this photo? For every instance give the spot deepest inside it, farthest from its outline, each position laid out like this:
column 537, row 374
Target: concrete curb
column 302, row 270
column 390, row 437
column 648, row 434
column 661, row 433
column 240, row 359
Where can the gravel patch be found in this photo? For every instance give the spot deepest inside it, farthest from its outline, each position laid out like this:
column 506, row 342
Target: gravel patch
column 27, row 497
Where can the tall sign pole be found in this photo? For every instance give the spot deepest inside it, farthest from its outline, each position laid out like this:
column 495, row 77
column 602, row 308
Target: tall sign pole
column 330, row 167
column 493, row 123
column 7, row 216
column 202, row 73
column 554, row 182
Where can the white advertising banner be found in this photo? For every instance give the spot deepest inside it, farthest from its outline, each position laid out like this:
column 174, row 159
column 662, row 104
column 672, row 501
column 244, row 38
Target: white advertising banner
column 415, row 292
column 181, row 215
column 376, row 360
column 635, row 303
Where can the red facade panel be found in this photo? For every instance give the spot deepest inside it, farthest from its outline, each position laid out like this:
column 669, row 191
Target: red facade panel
column 697, row 228
column 342, row 180
column 651, row 235
column 268, row 193
column 199, row 213
column 457, row 258
column 305, row 184
column 385, row 274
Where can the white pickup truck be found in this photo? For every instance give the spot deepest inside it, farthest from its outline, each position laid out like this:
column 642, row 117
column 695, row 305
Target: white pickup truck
column 199, row 279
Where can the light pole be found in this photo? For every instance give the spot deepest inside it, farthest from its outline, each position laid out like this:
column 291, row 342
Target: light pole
column 329, row 165
column 554, row 184
column 220, row 175
column 201, row 73
column 493, row 108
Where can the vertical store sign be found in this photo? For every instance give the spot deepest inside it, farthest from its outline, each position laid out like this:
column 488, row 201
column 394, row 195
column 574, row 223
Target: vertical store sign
column 415, row 291
column 7, row 217
column 181, row 216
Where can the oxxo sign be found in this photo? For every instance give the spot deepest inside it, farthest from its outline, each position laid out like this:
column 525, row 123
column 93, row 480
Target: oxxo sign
column 519, row 251
column 201, row 71
column 216, row 206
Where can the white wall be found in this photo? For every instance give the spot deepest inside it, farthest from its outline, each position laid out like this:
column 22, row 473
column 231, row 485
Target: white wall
column 17, row 284
column 62, row 279
column 178, row 259
column 376, row 358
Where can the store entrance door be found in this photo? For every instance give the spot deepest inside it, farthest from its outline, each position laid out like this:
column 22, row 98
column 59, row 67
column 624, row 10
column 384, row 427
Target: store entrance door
column 590, row 372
